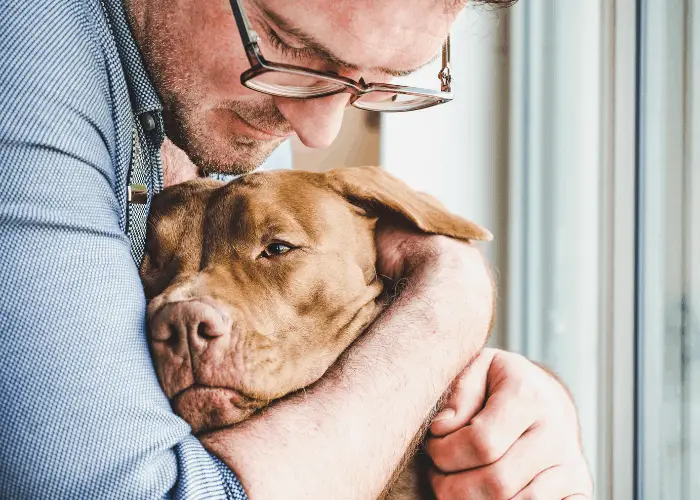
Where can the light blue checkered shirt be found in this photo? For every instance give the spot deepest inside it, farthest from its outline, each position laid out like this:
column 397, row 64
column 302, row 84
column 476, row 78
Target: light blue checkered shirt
column 81, row 412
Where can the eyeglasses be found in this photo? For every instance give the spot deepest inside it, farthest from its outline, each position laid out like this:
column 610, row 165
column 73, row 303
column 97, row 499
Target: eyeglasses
column 286, row 80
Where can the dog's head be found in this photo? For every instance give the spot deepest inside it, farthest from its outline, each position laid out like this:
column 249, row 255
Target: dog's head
column 255, row 287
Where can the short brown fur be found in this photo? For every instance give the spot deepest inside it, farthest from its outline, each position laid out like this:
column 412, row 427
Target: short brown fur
column 281, row 321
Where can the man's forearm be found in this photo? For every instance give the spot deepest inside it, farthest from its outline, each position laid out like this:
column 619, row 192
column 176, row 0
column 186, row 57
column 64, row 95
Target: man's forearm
column 344, row 437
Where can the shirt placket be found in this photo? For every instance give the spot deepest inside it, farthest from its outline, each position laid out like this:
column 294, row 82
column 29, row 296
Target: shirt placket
column 145, row 176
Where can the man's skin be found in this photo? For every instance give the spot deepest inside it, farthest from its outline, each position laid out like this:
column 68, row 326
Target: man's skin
column 509, row 429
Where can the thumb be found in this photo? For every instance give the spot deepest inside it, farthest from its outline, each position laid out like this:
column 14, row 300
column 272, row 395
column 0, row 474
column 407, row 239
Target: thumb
column 466, row 398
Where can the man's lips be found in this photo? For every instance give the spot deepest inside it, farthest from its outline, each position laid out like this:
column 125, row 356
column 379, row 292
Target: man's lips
column 246, row 129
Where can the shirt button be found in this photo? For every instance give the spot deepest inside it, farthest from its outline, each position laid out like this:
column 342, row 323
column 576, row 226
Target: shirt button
column 147, row 121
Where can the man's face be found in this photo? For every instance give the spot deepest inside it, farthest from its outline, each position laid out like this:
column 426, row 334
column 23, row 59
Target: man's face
column 195, row 56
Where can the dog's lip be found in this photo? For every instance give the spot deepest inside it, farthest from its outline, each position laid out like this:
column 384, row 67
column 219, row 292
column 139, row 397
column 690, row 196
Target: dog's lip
column 208, row 408
column 235, row 396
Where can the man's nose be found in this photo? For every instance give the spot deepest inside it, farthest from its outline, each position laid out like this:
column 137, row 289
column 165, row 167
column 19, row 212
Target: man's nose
column 315, row 121
column 193, row 322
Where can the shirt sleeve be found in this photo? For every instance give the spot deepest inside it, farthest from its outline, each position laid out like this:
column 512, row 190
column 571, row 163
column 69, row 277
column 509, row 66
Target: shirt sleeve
column 81, row 411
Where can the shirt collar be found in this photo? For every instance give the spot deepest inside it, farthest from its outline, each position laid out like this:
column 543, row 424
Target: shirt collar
column 144, row 97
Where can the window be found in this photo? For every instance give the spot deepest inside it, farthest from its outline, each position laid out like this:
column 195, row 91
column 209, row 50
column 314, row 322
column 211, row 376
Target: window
column 575, row 137
column 668, row 274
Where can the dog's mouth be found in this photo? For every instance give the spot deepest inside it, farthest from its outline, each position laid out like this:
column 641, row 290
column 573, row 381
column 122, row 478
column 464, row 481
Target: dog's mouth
column 208, row 408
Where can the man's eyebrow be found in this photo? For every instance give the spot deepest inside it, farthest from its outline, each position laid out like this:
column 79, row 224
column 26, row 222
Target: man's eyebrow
column 310, row 42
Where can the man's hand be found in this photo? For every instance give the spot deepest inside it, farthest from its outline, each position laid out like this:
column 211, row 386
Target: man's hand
column 509, row 430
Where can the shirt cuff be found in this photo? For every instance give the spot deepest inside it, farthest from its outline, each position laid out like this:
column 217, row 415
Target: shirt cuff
column 202, row 475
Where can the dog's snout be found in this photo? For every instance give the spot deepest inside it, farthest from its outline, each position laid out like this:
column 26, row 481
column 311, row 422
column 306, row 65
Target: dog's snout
column 197, row 321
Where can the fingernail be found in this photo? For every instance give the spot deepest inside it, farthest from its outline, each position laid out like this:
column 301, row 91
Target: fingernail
column 445, row 414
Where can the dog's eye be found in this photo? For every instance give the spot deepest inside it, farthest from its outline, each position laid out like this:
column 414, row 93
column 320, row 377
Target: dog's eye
column 274, row 249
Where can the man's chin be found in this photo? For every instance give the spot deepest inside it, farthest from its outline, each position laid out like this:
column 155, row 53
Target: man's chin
column 242, row 157
column 215, row 141
column 238, row 157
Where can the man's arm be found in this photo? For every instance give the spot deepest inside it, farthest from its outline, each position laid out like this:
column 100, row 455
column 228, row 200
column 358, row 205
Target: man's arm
column 344, row 437
column 81, row 412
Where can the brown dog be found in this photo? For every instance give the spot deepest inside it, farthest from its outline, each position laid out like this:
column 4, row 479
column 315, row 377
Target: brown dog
column 257, row 286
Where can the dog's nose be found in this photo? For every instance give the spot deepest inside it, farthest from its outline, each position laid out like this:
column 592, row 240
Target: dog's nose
column 199, row 322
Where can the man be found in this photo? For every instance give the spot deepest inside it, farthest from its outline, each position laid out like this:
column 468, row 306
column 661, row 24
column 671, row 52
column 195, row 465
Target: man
column 88, row 91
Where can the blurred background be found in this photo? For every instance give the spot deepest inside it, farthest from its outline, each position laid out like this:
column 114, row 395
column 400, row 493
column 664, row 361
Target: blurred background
column 575, row 137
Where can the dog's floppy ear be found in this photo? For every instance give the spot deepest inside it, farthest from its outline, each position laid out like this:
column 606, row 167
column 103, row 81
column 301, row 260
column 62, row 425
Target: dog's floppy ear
column 378, row 192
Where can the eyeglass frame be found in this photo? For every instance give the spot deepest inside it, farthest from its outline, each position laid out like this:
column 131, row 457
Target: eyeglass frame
column 260, row 65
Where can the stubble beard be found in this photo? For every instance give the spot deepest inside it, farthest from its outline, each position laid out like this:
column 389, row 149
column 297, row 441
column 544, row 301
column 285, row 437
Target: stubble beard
column 188, row 107
column 212, row 149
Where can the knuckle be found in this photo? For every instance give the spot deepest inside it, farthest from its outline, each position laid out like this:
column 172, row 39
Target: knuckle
column 443, row 454
column 512, row 362
column 487, row 444
column 523, row 390
column 564, row 444
column 577, row 476
column 526, row 389
column 437, row 482
column 494, row 484
column 537, row 490
column 446, row 488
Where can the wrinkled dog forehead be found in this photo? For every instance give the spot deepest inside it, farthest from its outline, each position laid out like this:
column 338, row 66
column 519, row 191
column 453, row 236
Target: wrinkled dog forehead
column 204, row 222
column 281, row 205
column 314, row 208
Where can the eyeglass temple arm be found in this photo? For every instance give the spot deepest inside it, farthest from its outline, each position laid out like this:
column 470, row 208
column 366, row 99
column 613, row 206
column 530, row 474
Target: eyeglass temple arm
column 248, row 35
column 445, row 75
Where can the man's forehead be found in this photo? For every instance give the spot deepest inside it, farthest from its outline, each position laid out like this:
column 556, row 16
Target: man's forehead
column 392, row 35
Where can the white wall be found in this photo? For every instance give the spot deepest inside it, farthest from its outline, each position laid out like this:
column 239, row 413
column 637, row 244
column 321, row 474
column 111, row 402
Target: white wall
column 520, row 151
column 458, row 151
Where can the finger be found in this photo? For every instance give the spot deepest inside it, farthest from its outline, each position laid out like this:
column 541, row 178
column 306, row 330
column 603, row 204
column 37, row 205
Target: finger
column 504, row 478
column 486, row 438
column 466, row 398
column 569, row 482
